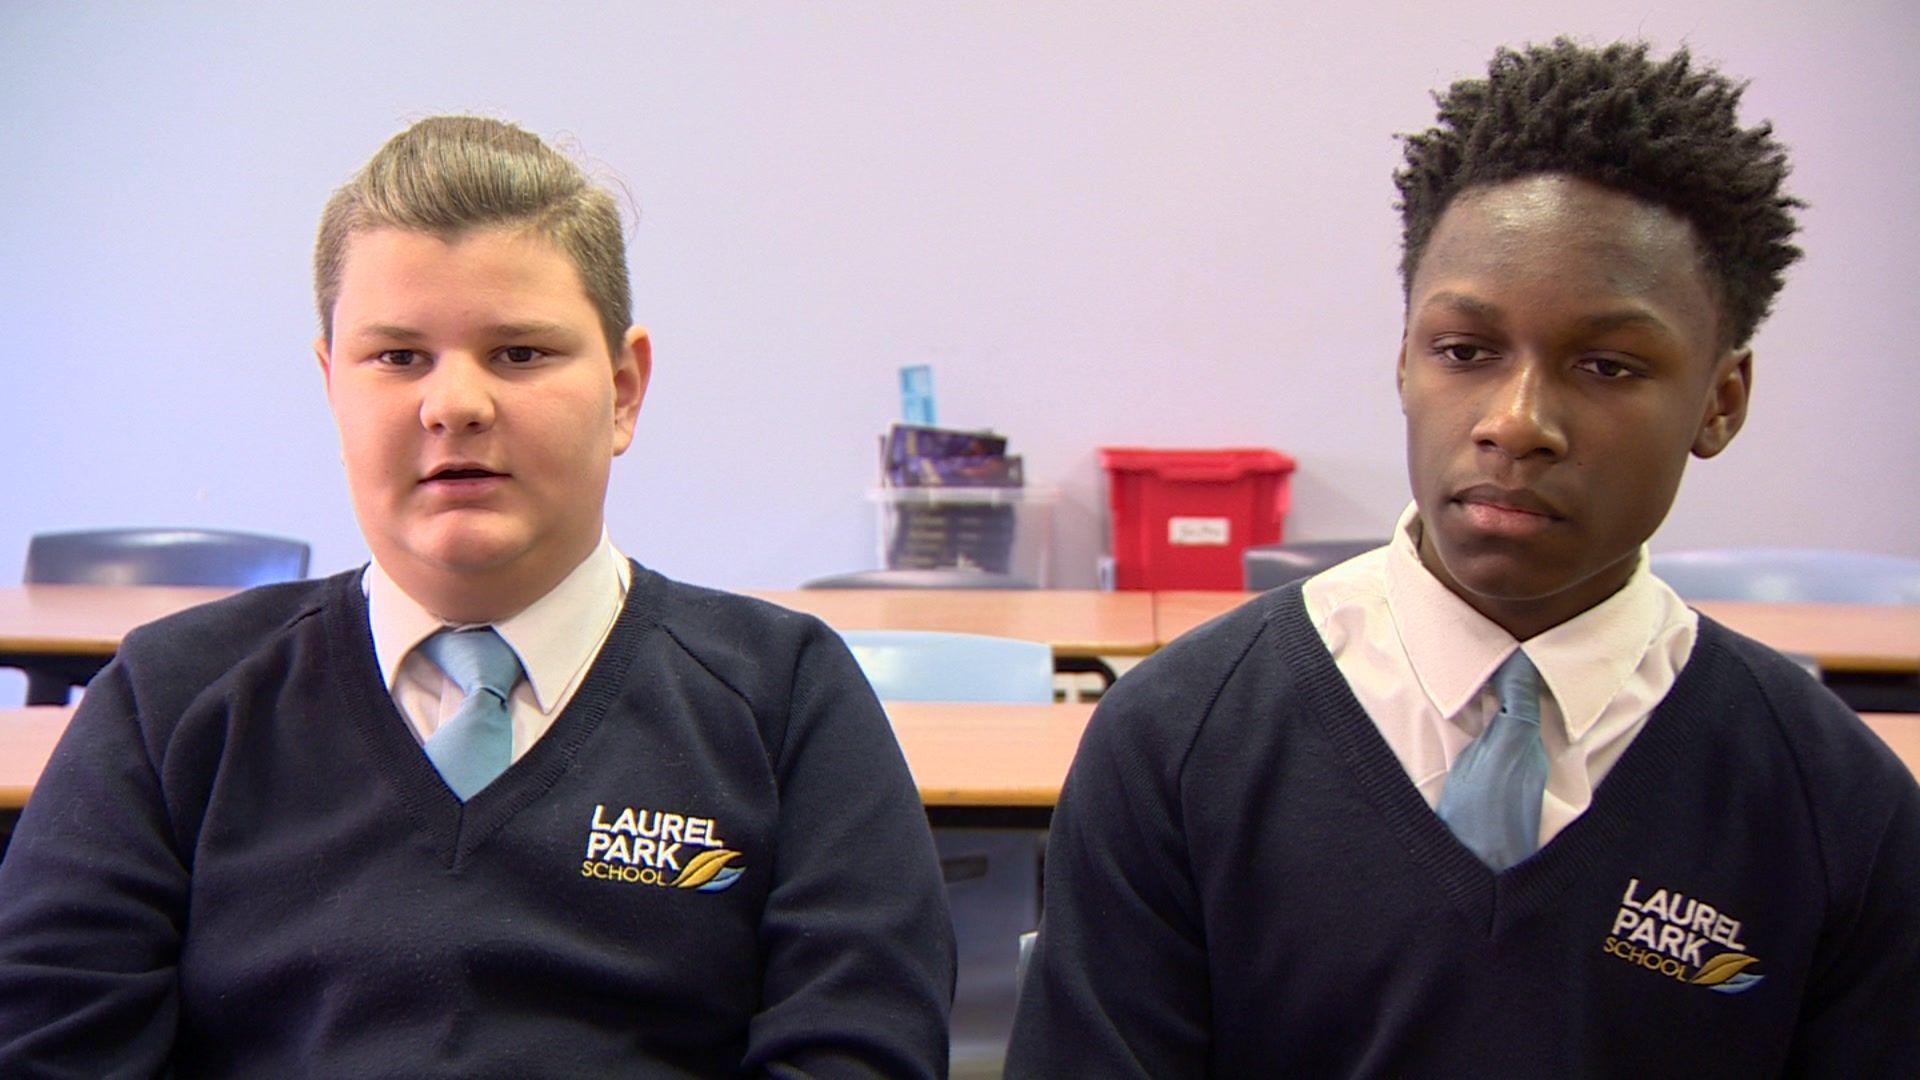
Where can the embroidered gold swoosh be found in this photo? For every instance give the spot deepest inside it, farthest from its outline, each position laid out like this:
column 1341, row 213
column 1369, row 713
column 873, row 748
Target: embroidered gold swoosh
column 1721, row 968
column 702, row 868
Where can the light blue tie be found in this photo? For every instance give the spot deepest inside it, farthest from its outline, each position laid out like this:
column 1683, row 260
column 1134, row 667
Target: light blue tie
column 475, row 744
column 1492, row 797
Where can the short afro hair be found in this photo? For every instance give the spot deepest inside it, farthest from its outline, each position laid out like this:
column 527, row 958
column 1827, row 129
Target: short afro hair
column 1664, row 132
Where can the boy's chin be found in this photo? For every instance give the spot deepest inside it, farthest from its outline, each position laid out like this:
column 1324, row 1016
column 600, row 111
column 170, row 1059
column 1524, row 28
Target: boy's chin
column 488, row 557
column 1538, row 592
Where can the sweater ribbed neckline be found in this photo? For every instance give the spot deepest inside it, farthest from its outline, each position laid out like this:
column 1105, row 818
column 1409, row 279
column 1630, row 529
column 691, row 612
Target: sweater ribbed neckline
column 455, row 828
column 1492, row 902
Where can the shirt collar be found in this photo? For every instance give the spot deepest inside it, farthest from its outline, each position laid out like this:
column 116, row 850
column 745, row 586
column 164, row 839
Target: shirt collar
column 554, row 637
column 1454, row 649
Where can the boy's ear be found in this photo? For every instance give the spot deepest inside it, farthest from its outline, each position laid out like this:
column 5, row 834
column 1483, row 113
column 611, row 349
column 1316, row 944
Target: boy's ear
column 632, row 369
column 1400, row 371
column 1726, row 404
column 325, row 356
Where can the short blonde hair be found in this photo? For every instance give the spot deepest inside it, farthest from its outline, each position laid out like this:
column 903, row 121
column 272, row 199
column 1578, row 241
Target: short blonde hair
column 447, row 174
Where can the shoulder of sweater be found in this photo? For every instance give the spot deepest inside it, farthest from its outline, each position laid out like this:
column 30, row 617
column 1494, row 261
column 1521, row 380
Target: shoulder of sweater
column 1846, row 769
column 214, row 635
column 744, row 642
column 163, row 666
column 695, row 614
column 1169, row 696
column 1794, row 701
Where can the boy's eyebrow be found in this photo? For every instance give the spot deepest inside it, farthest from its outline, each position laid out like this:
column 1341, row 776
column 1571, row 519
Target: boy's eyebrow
column 1466, row 305
column 1593, row 324
column 397, row 332
column 1613, row 320
column 530, row 328
column 387, row 332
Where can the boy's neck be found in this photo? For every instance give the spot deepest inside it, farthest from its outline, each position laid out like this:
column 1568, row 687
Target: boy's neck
column 469, row 597
column 1527, row 617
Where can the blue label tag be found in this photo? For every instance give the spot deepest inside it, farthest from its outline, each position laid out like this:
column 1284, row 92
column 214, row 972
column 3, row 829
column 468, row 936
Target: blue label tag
column 916, row 394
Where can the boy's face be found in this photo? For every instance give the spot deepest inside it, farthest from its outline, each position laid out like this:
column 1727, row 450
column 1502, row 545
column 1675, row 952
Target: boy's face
column 1562, row 358
column 479, row 413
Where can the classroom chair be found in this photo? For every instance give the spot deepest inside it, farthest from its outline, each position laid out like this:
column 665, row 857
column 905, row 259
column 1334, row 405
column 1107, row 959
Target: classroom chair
column 993, row 875
column 163, row 557
column 1806, row 576
column 1269, row 566
column 1790, row 576
column 952, row 578
column 150, row 557
column 960, row 578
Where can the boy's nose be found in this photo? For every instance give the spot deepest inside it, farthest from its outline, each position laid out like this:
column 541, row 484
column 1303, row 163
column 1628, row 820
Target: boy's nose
column 457, row 396
column 1520, row 417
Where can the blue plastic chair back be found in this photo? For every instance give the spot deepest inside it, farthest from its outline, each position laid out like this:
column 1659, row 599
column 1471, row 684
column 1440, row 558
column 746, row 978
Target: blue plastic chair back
column 163, row 557
column 1790, row 575
column 993, row 875
column 924, row 665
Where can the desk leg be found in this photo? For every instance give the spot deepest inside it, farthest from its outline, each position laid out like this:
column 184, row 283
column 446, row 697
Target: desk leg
column 1876, row 693
column 47, row 688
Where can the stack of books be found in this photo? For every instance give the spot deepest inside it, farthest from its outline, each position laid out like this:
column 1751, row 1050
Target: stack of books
column 951, row 498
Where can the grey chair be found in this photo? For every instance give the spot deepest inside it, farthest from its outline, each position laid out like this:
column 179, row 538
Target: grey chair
column 163, row 557
column 148, row 557
column 1269, row 566
column 1790, row 575
column 919, row 579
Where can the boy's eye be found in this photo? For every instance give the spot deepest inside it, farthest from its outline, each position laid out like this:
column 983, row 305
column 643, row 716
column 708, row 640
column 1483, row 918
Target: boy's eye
column 520, row 354
column 1607, row 367
column 398, row 357
column 1461, row 352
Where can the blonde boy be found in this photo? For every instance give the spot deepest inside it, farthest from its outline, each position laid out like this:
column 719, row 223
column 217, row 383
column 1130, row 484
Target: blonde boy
column 503, row 802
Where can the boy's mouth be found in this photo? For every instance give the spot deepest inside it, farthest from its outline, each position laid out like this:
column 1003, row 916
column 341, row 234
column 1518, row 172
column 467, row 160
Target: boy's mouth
column 1507, row 512
column 1515, row 500
column 458, row 473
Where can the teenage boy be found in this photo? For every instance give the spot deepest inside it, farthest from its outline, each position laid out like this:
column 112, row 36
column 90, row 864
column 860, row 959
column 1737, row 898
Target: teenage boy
column 1491, row 801
column 503, row 803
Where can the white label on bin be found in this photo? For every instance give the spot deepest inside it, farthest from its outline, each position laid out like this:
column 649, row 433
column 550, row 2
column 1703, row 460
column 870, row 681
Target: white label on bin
column 1199, row 531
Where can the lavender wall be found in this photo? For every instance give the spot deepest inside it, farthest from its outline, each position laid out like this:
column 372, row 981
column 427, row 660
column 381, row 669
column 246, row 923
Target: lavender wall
column 1164, row 224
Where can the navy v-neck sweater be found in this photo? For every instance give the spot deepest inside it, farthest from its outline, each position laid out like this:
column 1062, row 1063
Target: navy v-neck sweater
column 1242, row 881
column 239, row 862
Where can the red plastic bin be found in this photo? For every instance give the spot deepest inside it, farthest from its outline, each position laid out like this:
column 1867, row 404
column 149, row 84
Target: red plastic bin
column 1182, row 519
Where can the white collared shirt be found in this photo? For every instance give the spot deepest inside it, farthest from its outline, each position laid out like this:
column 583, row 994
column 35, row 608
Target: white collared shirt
column 1418, row 659
column 556, row 638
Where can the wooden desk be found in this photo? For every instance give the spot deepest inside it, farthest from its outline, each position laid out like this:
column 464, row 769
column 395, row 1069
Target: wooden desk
column 988, row 756
column 86, row 620
column 963, row 757
column 64, row 634
column 1076, row 622
column 47, row 622
column 1902, row 732
column 77, row 627
column 1858, row 639
column 980, row 757
column 1863, row 639
column 1178, row 611
column 27, row 736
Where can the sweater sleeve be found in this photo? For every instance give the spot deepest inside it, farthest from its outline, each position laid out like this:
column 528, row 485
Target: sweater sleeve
column 1861, row 1015
column 1117, row 985
column 93, row 898
column 856, row 941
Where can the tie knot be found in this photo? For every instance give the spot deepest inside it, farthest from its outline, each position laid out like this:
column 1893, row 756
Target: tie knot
column 1517, row 683
column 475, row 660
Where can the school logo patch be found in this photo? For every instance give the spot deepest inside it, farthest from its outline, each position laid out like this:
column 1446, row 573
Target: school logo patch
column 659, row 848
column 1670, row 933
